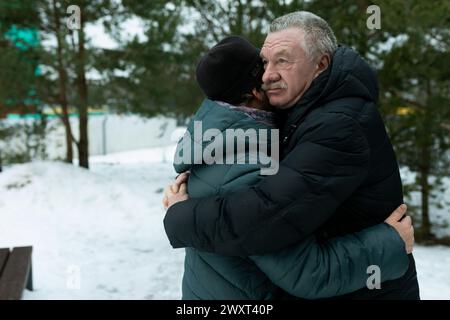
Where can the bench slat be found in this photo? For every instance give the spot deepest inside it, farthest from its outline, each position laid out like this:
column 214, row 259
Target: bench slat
column 16, row 274
column 4, row 253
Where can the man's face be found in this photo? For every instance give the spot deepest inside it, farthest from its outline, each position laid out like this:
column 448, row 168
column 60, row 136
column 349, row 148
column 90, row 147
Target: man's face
column 288, row 71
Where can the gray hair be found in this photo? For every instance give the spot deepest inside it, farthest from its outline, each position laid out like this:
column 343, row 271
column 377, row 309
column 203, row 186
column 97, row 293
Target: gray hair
column 319, row 37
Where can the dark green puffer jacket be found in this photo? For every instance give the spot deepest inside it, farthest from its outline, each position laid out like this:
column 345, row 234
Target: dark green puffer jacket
column 307, row 269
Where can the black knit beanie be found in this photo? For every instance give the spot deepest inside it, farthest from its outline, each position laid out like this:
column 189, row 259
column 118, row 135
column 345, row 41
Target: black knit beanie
column 229, row 70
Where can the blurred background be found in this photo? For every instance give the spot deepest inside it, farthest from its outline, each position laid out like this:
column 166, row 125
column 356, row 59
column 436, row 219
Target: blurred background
column 112, row 91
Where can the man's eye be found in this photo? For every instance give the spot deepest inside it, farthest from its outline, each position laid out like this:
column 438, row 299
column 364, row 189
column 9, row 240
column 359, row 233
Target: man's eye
column 282, row 60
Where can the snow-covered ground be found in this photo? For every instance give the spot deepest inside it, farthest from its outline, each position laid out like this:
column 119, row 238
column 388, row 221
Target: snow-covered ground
column 98, row 234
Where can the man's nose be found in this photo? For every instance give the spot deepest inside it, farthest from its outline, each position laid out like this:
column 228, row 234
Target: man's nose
column 270, row 75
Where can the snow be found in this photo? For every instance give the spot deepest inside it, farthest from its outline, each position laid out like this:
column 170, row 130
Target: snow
column 98, row 234
column 433, row 266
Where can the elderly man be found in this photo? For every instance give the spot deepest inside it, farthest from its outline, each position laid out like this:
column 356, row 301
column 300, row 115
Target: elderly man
column 338, row 172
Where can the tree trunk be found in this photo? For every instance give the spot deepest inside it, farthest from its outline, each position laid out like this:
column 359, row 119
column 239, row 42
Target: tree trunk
column 426, row 141
column 240, row 18
column 425, row 192
column 83, row 145
column 63, row 87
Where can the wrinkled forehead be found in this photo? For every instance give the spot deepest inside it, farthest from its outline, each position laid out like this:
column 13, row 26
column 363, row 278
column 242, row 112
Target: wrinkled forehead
column 277, row 48
column 279, row 43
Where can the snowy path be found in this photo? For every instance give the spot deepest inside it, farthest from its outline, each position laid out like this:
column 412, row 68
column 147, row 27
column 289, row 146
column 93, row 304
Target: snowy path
column 98, row 234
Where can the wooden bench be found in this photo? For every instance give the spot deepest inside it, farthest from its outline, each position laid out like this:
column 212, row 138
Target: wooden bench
column 15, row 272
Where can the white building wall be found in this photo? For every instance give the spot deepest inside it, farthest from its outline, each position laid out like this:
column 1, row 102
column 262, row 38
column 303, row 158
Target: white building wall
column 107, row 134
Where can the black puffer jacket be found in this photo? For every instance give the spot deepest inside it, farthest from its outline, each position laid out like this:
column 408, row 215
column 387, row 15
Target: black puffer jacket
column 338, row 175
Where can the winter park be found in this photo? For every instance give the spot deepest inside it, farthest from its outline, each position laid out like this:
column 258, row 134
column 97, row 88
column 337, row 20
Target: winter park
column 224, row 150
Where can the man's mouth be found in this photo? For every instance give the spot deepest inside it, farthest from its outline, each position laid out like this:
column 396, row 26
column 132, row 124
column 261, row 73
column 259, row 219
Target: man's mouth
column 274, row 91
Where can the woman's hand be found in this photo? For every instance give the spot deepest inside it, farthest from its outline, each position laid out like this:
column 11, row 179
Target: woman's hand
column 404, row 227
column 177, row 191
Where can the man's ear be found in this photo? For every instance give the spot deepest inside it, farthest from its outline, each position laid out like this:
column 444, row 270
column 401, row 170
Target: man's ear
column 323, row 64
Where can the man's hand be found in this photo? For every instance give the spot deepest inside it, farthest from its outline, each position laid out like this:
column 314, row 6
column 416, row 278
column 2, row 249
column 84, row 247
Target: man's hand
column 403, row 227
column 176, row 192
